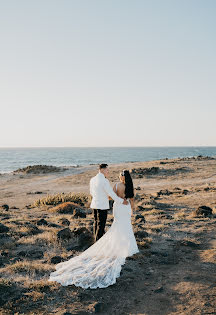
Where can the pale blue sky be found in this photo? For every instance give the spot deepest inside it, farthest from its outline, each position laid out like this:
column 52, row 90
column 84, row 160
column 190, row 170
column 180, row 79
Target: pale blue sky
column 107, row 73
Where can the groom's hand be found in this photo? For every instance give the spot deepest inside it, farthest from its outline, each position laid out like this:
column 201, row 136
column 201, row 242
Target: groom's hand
column 125, row 202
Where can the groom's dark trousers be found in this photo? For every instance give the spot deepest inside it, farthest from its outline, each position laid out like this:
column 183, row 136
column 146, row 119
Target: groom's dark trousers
column 100, row 217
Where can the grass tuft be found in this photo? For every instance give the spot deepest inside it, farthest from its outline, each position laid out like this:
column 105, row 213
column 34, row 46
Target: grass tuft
column 79, row 198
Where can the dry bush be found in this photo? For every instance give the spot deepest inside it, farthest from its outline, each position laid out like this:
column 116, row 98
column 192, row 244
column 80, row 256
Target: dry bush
column 43, row 285
column 180, row 215
column 153, row 212
column 46, row 238
column 35, row 295
column 145, row 243
column 79, row 198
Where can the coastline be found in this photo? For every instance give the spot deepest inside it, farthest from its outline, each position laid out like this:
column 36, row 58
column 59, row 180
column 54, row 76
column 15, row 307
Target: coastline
column 171, row 274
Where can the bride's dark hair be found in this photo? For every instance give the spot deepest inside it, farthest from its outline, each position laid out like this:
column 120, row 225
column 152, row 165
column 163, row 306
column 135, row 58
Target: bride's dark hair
column 129, row 189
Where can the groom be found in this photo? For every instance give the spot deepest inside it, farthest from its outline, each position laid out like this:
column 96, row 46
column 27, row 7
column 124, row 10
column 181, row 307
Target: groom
column 100, row 190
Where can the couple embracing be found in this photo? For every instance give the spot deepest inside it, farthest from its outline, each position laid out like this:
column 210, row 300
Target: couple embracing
column 100, row 265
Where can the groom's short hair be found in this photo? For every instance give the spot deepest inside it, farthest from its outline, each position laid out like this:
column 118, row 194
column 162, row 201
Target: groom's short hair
column 103, row 165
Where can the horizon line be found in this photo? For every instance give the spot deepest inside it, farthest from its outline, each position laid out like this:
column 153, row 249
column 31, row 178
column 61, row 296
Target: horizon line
column 84, row 147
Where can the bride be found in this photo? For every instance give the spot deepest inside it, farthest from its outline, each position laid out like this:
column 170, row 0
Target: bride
column 100, row 265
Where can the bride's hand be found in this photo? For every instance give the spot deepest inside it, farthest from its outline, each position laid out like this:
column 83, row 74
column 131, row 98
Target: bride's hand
column 125, row 202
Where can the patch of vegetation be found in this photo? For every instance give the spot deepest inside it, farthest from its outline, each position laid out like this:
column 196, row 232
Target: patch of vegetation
column 79, row 198
column 28, row 266
column 36, row 169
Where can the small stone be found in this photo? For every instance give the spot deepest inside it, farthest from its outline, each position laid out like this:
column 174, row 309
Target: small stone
column 33, row 229
column 65, row 234
column 56, row 260
column 204, row 211
column 187, row 243
column 158, row 290
column 3, row 228
column 22, row 253
column 79, row 213
column 42, row 222
column 141, row 234
column 54, row 225
column 98, row 307
column 4, row 207
column 165, row 192
column 137, row 197
column 139, row 218
column 185, row 192
column 65, row 221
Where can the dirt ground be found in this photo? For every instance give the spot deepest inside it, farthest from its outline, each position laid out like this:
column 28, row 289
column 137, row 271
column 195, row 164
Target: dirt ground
column 174, row 272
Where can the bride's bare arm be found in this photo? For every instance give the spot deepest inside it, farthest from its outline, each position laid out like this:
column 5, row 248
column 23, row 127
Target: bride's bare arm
column 132, row 204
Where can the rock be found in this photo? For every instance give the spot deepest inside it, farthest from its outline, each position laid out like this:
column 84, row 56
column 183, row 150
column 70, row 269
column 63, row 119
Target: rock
column 54, row 225
column 33, row 229
column 56, row 259
column 66, row 208
column 137, row 197
column 79, row 213
column 138, row 188
column 139, row 218
column 64, row 221
column 65, row 234
column 204, row 211
column 141, row 234
column 85, row 238
column 141, row 208
column 140, row 172
column 98, row 307
column 3, row 228
column 165, row 192
column 14, row 208
column 37, row 254
column 22, row 253
column 42, row 222
column 4, row 207
column 185, row 192
column 160, row 289
column 2, row 263
column 36, row 169
column 165, row 216
column 187, row 243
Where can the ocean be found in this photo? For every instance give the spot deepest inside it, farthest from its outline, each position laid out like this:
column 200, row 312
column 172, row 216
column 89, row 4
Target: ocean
column 14, row 158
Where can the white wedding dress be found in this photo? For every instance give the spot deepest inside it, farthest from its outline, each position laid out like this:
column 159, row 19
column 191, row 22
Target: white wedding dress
column 100, row 265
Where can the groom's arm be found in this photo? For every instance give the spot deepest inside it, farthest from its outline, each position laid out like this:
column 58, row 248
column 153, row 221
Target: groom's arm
column 111, row 193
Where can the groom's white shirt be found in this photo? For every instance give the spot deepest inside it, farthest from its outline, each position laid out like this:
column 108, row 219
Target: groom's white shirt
column 100, row 190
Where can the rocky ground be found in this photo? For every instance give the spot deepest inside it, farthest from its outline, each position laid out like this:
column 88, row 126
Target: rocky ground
column 174, row 272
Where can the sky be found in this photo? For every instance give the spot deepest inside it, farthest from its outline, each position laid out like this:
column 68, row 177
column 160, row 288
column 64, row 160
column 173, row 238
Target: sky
column 107, row 73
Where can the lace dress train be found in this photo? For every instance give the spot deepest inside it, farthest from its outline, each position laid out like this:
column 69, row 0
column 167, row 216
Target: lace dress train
column 100, row 265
